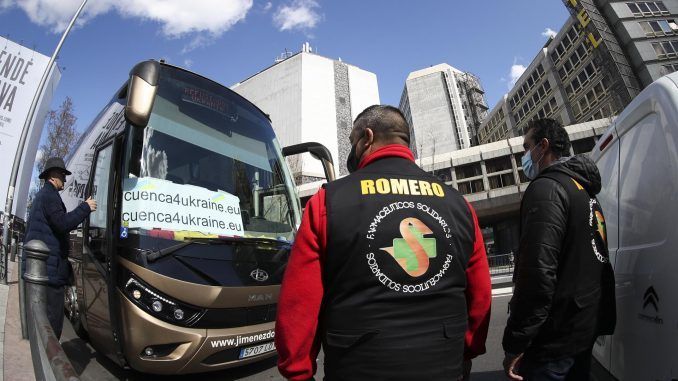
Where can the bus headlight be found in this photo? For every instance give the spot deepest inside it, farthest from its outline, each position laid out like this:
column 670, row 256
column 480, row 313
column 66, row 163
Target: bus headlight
column 179, row 314
column 158, row 304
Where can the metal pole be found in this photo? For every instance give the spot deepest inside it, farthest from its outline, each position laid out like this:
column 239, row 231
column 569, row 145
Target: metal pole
column 49, row 359
column 22, row 293
column 20, row 149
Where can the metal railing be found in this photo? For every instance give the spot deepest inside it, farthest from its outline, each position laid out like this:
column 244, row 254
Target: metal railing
column 501, row 264
column 50, row 362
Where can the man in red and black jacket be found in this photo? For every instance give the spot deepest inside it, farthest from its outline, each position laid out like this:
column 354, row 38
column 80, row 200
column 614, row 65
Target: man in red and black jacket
column 388, row 270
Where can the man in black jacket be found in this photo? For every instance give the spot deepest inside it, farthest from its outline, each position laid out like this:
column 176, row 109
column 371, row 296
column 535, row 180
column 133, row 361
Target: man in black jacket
column 564, row 284
column 49, row 223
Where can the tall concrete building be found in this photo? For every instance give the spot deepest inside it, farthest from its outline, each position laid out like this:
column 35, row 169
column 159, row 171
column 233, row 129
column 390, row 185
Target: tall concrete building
column 311, row 98
column 444, row 107
column 602, row 57
column 648, row 33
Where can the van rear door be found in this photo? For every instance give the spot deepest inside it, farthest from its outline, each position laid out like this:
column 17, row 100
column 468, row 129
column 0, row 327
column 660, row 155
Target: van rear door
column 606, row 156
column 645, row 343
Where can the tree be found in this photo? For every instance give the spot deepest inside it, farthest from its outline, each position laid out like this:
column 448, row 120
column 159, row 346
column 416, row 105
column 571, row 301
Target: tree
column 61, row 137
column 61, row 133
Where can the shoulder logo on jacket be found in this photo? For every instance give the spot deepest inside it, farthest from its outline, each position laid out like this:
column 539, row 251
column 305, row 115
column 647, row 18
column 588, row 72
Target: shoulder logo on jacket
column 598, row 230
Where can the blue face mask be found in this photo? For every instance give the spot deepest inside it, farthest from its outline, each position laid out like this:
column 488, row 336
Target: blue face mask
column 530, row 169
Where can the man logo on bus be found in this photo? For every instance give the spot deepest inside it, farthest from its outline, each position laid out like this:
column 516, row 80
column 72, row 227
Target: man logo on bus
column 259, row 275
column 412, row 252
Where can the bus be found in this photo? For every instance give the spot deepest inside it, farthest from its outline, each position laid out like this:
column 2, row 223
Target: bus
column 179, row 269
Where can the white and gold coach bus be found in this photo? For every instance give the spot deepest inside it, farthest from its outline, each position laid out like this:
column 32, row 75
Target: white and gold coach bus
column 179, row 269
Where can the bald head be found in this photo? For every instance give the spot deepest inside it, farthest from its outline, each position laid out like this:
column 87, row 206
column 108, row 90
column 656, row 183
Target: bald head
column 387, row 123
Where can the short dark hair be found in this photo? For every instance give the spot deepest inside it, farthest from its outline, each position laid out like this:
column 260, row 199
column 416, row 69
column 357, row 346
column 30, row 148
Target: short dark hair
column 387, row 123
column 554, row 132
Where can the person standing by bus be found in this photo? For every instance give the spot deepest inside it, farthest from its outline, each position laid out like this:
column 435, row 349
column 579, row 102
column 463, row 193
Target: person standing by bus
column 564, row 285
column 388, row 270
column 49, row 223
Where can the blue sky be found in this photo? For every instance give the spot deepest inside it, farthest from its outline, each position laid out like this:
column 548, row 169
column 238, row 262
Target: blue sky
column 229, row 40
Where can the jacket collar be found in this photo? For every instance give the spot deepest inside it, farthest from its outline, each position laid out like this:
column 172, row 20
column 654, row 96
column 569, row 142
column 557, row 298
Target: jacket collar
column 391, row 150
column 49, row 186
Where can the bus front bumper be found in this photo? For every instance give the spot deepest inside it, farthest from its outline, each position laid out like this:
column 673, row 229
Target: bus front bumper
column 181, row 350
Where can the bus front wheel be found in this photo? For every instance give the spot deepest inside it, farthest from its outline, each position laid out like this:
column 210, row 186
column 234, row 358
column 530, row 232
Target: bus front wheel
column 72, row 311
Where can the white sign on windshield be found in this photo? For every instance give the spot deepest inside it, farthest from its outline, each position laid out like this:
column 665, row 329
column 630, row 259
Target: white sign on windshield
column 150, row 203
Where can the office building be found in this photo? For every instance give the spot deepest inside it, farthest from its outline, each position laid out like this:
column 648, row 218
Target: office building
column 444, row 107
column 311, row 98
column 603, row 56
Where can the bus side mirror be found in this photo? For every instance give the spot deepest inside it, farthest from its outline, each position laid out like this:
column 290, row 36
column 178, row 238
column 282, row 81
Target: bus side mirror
column 141, row 89
column 316, row 150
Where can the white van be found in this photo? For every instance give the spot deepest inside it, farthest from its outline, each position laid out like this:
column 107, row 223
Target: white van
column 638, row 161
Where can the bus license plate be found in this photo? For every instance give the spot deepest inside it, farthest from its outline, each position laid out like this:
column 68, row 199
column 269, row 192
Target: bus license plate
column 257, row 350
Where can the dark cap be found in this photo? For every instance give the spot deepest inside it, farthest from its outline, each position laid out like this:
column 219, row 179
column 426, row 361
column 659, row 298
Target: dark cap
column 54, row 163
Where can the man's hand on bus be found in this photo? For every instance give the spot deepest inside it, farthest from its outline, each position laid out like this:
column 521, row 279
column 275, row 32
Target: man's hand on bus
column 92, row 204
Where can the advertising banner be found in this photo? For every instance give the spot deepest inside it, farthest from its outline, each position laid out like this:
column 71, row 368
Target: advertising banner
column 20, row 72
column 150, row 203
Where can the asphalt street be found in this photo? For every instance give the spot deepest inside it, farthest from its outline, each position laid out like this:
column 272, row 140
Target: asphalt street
column 92, row 366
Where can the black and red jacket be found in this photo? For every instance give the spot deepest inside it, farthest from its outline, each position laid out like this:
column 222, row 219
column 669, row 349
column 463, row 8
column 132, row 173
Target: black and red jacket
column 313, row 305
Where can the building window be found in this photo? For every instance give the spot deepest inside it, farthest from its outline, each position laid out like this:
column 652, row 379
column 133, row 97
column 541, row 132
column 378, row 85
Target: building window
column 666, row 49
column 647, row 8
column 473, row 186
column 501, row 181
column 498, row 164
column 468, row 170
column 581, row 80
column 659, row 27
column 670, row 68
column 444, row 174
column 604, row 112
column 589, row 100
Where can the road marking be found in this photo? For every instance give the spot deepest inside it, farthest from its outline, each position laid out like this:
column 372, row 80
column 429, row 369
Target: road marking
column 498, row 292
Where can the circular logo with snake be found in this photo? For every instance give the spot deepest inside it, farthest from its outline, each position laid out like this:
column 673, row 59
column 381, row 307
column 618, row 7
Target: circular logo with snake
column 410, row 249
column 599, row 231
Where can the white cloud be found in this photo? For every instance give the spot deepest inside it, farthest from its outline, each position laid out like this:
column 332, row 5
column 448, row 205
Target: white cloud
column 516, row 71
column 268, row 6
column 300, row 14
column 196, row 42
column 188, row 62
column 548, row 32
column 176, row 19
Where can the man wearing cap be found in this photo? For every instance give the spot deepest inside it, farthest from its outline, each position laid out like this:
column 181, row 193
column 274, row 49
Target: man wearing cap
column 49, row 223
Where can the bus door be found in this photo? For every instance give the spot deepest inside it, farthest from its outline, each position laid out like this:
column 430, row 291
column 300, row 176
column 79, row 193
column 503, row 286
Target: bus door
column 96, row 259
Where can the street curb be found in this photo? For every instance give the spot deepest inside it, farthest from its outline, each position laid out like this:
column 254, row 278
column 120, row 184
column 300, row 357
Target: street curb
column 502, row 281
column 4, row 293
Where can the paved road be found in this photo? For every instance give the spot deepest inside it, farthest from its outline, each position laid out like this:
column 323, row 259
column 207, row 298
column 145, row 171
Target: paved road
column 94, row 367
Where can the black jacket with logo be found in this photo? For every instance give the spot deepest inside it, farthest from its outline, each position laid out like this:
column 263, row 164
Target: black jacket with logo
column 399, row 242
column 564, row 283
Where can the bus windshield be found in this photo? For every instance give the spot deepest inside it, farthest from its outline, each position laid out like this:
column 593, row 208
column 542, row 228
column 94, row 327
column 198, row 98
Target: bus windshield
column 208, row 165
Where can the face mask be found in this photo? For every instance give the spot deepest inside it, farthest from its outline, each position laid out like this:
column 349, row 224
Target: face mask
column 530, row 169
column 352, row 161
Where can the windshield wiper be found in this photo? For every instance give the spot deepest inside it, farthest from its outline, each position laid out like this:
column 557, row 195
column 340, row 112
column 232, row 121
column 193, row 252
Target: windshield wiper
column 155, row 255
column 267, row 241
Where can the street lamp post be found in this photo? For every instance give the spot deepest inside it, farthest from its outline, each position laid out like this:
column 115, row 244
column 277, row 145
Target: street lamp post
column 4, row 249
